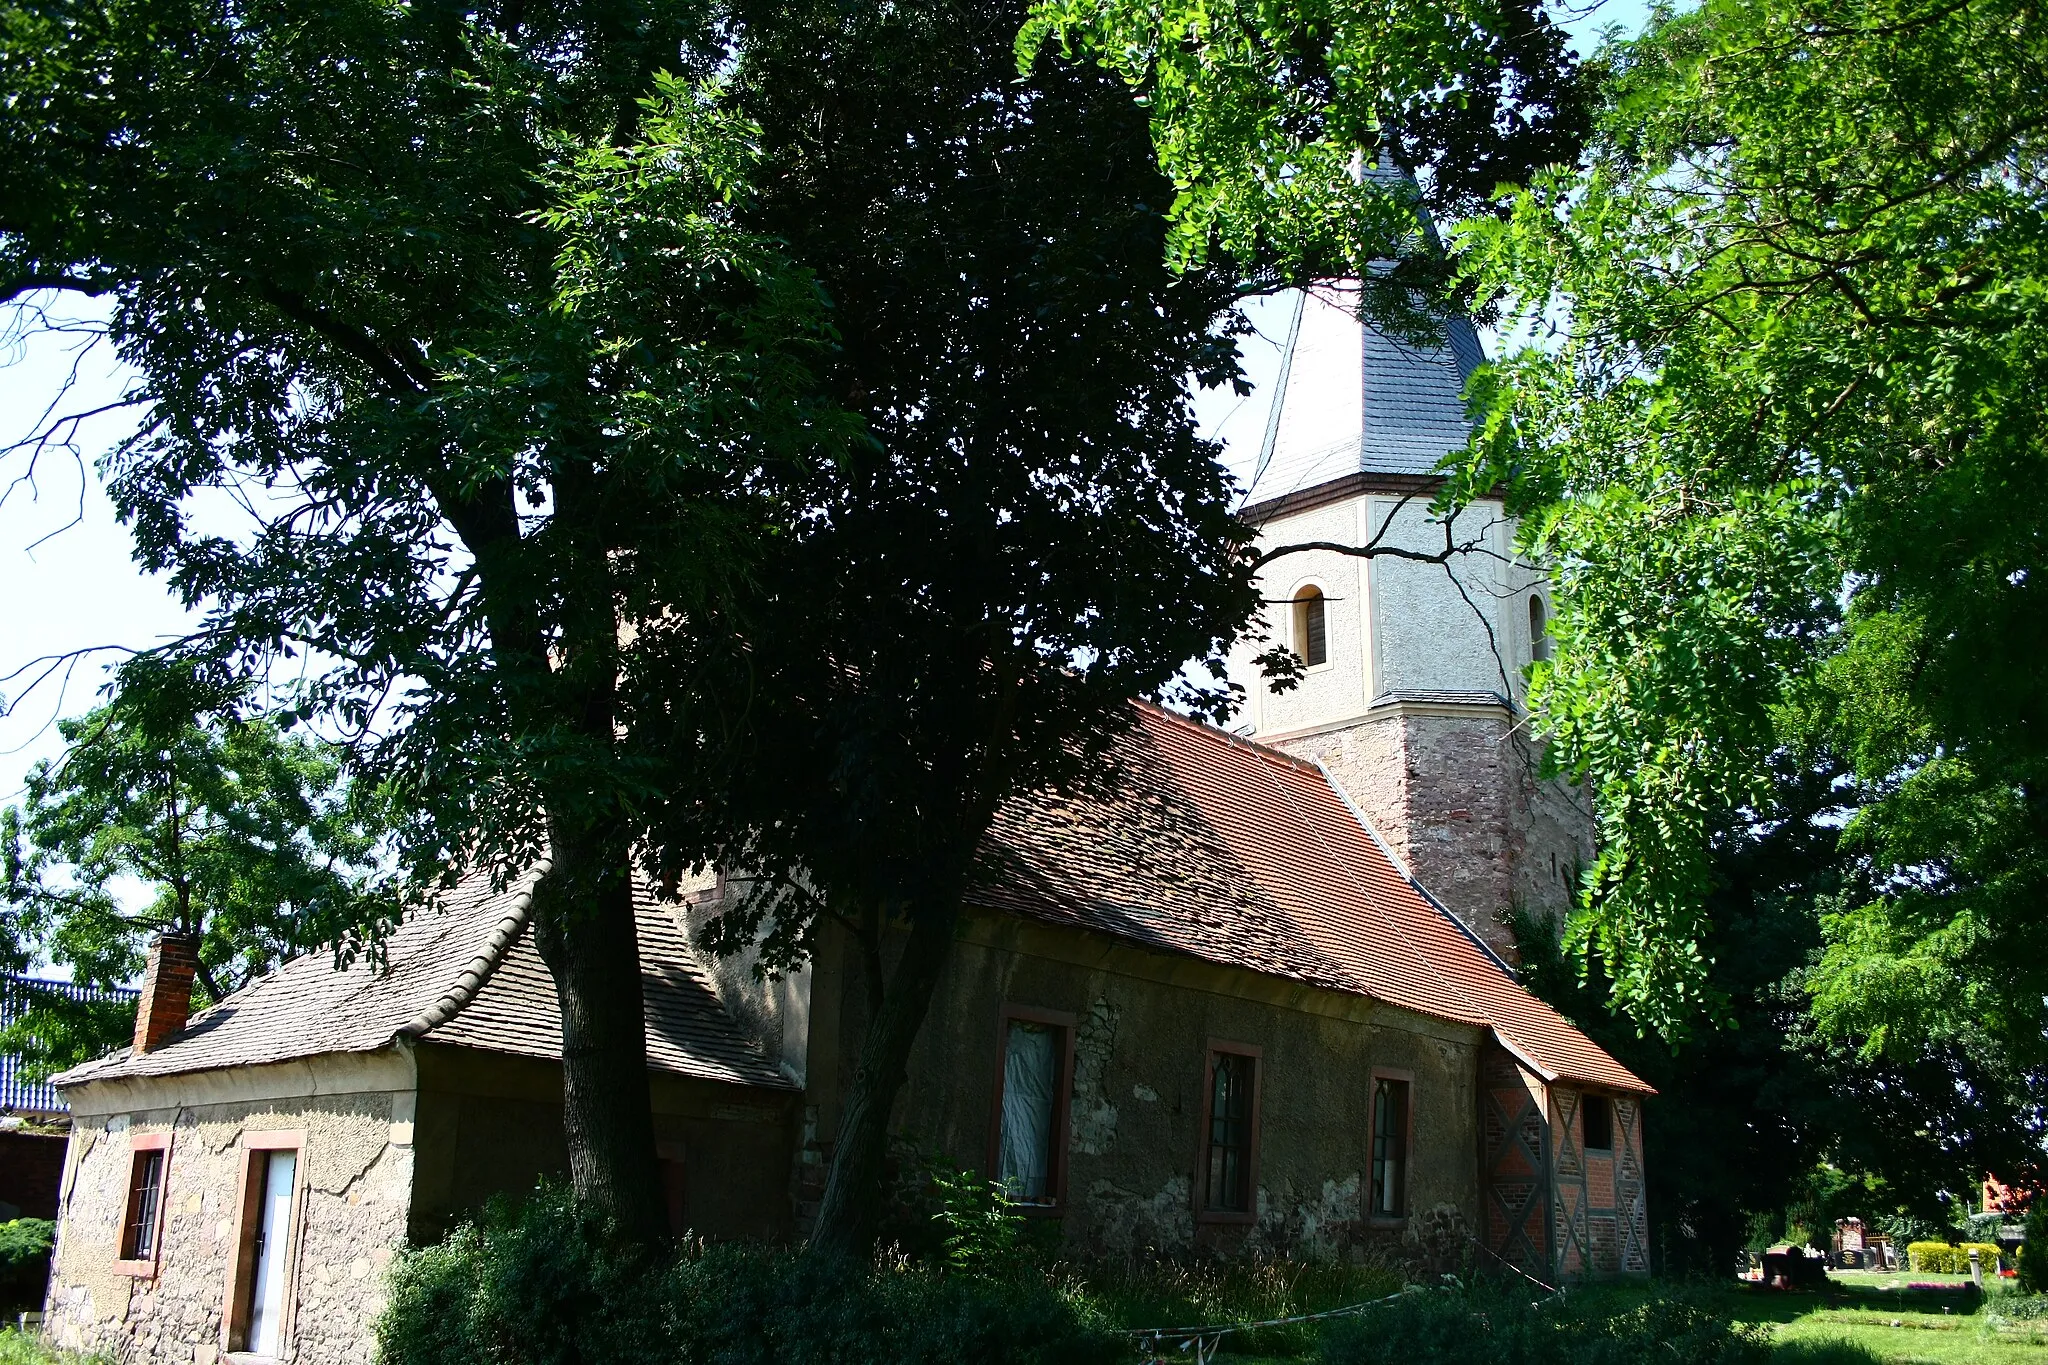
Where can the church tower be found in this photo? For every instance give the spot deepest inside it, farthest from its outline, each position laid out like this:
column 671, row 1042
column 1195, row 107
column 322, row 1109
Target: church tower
column 1413, row 692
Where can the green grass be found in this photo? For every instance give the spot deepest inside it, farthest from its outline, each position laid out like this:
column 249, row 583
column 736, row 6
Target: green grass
column 17, row 1348
column 1859, row 1319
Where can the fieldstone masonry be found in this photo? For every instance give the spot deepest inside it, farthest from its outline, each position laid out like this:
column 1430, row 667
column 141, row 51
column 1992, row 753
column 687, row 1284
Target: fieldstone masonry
column 357, row 1169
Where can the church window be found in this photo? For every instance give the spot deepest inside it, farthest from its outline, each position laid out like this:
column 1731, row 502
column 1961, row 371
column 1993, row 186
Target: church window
column 1539, row 629
column 1599, row 1121
column 1389, row 1146
column 1230, row 1127
column 1311, row 627
column 1031, row 1110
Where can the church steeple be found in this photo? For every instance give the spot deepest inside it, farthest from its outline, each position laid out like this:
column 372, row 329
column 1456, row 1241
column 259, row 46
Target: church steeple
column 1355, row 396
column 1413, row 679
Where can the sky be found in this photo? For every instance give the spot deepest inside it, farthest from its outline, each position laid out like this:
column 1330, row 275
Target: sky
column 68, row 580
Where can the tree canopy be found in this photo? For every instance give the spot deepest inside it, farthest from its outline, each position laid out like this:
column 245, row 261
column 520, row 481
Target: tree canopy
column 449, row 303
column 234, row 834
column 1775, row 454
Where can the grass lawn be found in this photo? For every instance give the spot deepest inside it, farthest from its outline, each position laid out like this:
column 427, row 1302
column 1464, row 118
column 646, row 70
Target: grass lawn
column 1875, row 1312
column 1900, row 1326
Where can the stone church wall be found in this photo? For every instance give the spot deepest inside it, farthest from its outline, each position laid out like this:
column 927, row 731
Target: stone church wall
column 1143, row 1023
column 356, row 1170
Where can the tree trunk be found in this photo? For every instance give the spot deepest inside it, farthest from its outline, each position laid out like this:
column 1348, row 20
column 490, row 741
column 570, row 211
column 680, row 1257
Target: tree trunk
column 852, row 1205
column 583, row 927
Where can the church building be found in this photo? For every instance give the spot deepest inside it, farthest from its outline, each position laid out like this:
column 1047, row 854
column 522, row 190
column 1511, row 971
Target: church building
column 1257, row 997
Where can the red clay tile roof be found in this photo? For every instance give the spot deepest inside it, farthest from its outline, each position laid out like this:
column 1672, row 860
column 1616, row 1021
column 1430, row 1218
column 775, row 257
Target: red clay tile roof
column 466, row 973
column 1212, row 846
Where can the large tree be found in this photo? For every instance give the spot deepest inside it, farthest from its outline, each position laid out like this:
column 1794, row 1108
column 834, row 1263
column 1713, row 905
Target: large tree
column 172, row 811
column 1775, row 455
column 454, row 365
column 1033, row 534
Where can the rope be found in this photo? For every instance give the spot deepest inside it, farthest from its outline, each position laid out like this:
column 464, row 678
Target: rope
column 1206, row 1340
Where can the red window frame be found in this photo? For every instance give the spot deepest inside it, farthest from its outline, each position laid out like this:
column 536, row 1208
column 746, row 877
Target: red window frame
column 1063, row 1091
column 1406, row 1137
column 1204, row 1213
column 144, row 1267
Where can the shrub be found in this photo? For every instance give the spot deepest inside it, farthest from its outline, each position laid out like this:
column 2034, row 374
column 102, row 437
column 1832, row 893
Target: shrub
column 1502, row 1326
column 536, row 1284
column 1164, row 1293
column 2033, row 1262
column 25, row 1241
column 1939, row 1258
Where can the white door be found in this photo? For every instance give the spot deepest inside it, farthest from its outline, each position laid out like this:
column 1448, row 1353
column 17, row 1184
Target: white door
column 266, row 1294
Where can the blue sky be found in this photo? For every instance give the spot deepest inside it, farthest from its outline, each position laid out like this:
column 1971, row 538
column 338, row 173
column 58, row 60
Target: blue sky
column 68, row 580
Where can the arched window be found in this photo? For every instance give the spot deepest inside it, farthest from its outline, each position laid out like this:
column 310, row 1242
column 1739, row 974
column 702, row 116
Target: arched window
column 1539, row 629
column 1311, row 627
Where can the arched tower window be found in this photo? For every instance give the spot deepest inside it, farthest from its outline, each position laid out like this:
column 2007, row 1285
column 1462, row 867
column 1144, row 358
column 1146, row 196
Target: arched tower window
column 1311, row 627
column 1539, row 629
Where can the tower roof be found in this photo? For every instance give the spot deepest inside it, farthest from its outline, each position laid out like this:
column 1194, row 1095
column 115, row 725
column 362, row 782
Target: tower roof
column 1354, row 396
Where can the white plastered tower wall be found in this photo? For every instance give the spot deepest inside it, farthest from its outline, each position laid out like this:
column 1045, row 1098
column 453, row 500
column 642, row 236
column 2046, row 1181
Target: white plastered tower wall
column 1419, row 709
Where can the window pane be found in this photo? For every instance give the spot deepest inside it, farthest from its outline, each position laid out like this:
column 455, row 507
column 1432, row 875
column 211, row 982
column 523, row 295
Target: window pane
column 1230, row 1133
column 1030, row 1087
column 1311, row 629
column 145, row 1193
column 1389, row 1146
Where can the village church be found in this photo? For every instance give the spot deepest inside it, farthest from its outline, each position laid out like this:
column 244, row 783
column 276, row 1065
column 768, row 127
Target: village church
column 1260, row 998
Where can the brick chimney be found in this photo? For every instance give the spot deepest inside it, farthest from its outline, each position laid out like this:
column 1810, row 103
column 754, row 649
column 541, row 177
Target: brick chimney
column 166, row 1000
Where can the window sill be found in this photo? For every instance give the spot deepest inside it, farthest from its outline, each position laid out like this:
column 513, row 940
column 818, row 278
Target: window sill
column 1224, row 1216
column 1383, row 1220
column 141, row 1270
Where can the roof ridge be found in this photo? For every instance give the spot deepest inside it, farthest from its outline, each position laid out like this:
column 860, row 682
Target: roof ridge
column 1277, row 757
column 482, row 965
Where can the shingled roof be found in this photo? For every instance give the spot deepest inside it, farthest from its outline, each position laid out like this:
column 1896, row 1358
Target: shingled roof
column 1225, row 850
column 464, row 973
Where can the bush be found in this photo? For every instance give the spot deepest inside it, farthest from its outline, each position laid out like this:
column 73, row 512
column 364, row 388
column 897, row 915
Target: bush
column 2033, row 1261
column 535, row 1284
column 1939, row 1258
column 26, row 1241
column 1502, row 1326
column 1185, row 1293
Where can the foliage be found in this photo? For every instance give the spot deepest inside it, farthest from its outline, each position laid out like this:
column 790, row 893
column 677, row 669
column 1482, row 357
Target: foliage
column 1157, row 1292
column 1031, row 533
column 1799, row 293
column 450, row 306
column 1500, row 1323
column 2033, row 1260
column 1260, row 111
column 749, row 432
column 981, row 1228
column 1941, row 1258
column 25, row 1240
column 1758, row 1115
column 540, row 1285
column 242, row 837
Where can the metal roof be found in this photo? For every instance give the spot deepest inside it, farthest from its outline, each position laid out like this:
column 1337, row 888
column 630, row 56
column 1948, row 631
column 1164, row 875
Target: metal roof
column 17, row 1094
column 1355, row 395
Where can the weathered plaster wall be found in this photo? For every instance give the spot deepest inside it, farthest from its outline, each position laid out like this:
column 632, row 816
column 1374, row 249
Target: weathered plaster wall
column 1449, row 780
column 357, row 1174
column 1144, row 1022
column 491, row 1123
